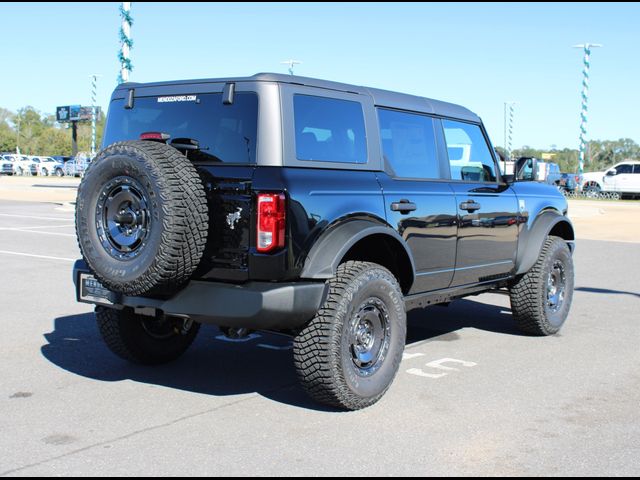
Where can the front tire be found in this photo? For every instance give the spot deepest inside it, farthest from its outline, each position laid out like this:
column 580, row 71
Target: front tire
column 349, row 354
column 145, row 340
column 541, row 298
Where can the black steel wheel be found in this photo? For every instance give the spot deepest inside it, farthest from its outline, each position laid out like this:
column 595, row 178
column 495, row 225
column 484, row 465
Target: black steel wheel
column 541, row 298
column 348, row 355
column 142, row 218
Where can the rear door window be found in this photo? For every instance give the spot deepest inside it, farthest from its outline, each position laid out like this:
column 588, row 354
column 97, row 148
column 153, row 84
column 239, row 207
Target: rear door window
column 225, row 133
column 409, row 144
column 329, row 130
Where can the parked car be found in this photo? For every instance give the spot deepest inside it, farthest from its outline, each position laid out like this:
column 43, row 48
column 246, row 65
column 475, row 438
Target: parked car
column 61, row 158
column 621, row 179
column 75, row 167
column 7, row 164
column 568, row 182
column 46, row 166
column 24, row 165
column 320, row 210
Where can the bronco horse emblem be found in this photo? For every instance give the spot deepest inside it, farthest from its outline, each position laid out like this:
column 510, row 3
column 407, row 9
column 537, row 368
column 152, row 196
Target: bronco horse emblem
column 234, row 218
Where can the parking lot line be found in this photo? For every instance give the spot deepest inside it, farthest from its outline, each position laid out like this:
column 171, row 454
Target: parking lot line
column 24, row 230
column 6, row 252
column 41, row 226
column 58, row 219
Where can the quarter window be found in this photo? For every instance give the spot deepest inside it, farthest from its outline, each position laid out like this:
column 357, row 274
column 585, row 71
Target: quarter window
column 469, row 154
column 329, row 130
column 408, row 144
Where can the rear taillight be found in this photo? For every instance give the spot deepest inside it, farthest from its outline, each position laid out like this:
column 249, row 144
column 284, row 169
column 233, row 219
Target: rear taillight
column 271, row 221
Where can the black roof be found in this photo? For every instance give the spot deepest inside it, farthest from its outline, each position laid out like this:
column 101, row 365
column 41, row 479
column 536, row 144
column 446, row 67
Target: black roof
column 382, row 98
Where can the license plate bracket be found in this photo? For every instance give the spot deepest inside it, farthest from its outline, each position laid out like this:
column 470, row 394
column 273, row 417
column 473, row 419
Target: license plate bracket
column 91, row 290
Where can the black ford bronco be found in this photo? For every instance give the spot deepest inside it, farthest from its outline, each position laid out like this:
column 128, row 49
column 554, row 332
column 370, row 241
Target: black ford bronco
column 312, row 208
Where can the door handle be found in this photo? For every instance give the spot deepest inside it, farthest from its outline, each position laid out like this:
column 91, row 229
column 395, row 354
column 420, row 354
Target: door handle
column 470, row 206
column 403, row 206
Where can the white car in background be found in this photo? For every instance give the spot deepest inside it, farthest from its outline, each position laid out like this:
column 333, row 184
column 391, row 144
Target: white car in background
column 46, row 166
column 24, row 165
column 622, row 179
column 7, row 165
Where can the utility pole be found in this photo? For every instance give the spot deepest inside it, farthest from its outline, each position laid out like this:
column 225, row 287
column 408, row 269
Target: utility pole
column 291, row 64
column 586, row 61
column 94, row 112
column 125, row 43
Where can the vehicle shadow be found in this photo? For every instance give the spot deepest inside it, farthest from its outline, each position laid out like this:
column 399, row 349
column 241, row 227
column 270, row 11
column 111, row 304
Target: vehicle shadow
column 606, row 291
column 261, row 365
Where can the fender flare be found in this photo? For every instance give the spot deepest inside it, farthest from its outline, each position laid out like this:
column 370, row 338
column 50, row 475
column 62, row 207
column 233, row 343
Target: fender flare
column 531, row 241
column 324, row 257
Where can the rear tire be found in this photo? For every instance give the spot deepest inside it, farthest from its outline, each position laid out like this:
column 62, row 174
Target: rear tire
column 145, row 340
column 349, row 354
column 541, row 298
column 142, row 218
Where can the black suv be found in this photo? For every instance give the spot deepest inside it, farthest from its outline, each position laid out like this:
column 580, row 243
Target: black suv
column 312, row 208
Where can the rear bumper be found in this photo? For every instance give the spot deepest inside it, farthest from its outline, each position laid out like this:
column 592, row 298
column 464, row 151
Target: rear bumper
column 254, row 305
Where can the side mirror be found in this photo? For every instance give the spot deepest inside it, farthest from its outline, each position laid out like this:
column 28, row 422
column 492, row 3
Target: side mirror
column 526, row 169
column 611, row 173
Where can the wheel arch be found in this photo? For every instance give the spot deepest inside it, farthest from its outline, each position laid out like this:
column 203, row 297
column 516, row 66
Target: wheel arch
column 549, row 222
column 361, row 240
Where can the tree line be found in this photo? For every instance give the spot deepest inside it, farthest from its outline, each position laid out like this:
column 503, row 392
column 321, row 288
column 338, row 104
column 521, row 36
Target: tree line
column 36, row 133
column 599, row 155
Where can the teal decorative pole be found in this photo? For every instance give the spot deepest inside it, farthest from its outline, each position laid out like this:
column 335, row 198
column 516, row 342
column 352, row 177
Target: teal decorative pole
column 508, row 127
column 585, row 102
column 94, row 91
column 125, row 42
column 510, row 138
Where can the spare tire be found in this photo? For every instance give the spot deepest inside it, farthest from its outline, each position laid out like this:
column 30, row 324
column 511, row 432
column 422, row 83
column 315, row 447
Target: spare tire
column 142, row 218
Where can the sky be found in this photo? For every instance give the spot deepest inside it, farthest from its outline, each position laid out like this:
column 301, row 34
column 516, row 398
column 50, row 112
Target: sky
column 476, row 55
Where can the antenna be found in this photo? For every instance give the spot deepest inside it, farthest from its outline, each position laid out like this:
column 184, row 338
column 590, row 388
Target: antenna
column 291, row 64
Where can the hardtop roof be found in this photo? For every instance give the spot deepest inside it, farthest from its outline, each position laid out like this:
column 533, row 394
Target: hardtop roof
column 383, row 98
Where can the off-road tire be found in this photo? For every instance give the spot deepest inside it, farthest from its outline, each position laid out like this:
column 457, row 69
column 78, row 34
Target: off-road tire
column 177, row 215
column 529, row 295
column 322, row 352
column 127, row 335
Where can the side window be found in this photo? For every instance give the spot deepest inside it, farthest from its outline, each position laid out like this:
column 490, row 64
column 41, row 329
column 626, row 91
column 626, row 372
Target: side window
column 636, row 168
column 409, row 144
column 329, row 130
column 624, row 168
column 469, row 154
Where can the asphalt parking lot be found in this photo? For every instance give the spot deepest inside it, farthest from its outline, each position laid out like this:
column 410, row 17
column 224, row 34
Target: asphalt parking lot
column 473, row 396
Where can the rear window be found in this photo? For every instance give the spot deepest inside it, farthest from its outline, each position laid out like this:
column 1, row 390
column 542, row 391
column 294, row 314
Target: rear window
column 225, row 133
column 329, row 130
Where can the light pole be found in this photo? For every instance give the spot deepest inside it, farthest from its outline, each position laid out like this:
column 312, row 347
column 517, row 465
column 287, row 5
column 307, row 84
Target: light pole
column 125, row 43
column 18, row 135
column 291, row 64
column 586, row 61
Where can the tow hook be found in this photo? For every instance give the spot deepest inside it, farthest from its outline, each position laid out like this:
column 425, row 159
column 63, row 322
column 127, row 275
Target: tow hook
column 183, row 329
column 235, row 333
